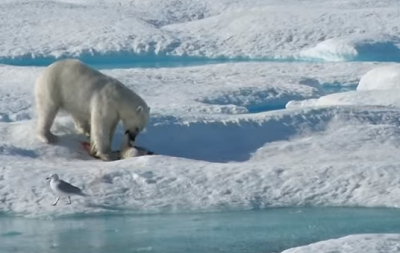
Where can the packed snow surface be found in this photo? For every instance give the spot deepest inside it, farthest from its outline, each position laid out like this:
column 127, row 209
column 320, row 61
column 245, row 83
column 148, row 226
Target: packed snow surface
column 220, row 147
column 378, row 87
column 386, row 77
column 332, row 30
column 354, row 244
column 356, row 47
column 375, row 98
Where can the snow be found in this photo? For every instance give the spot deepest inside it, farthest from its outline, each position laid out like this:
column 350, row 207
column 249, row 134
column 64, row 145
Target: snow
column 378, row 47
column 354, row 243
column 173, row 181
column 212, row 89
column 368, row 98
column 385, row 77
column 377, row 87
column 196, row 28
column 220, row 148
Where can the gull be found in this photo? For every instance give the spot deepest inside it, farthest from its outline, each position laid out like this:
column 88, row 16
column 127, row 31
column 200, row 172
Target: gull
column 62, row 188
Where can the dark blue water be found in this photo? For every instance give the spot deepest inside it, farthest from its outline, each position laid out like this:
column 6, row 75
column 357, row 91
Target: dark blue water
column 271, row 230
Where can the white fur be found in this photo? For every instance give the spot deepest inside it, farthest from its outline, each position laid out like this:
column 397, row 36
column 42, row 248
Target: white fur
column 95, row 101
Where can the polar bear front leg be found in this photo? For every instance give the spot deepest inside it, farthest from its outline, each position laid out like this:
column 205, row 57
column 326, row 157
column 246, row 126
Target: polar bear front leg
column 100, row 141
column 46, row 114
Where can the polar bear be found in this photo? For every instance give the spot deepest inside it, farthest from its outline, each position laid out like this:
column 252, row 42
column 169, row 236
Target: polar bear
column 95, row 101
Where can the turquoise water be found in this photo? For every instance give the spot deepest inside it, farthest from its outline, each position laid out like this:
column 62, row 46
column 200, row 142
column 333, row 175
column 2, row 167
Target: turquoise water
column 380, row 52
column 271, row 230
column 129, row 60
column 120, row 61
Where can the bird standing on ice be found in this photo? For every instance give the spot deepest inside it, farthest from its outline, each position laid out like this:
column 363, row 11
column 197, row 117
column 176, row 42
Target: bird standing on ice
column 63, row 189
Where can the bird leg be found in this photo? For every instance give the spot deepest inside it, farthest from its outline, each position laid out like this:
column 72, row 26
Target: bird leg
column 55, row 203
column 69, row 200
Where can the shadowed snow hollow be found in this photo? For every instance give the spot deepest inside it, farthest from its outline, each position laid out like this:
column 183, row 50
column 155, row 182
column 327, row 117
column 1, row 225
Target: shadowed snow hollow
column 266, row 98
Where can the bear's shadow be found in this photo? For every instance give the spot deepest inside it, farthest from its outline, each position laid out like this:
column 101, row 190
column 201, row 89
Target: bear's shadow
column 215, row 141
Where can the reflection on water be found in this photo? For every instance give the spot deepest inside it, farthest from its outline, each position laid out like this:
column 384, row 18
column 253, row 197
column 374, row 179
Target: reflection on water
column 271, row 230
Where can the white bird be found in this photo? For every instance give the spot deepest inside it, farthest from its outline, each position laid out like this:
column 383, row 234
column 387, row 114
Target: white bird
column 62, row 188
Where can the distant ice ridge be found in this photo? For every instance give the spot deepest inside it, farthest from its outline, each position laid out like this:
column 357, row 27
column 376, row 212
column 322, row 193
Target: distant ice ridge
column 377, row 87
column 371, row 243
column 359, row 47
column 200, row 28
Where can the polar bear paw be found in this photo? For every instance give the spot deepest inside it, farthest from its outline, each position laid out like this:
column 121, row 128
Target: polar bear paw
column 47, row 138
column 113, row 156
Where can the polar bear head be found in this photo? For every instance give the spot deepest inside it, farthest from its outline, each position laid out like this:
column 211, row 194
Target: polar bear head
column 136, row 121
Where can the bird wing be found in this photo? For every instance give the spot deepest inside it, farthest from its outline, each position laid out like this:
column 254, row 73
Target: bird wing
column 69, row 188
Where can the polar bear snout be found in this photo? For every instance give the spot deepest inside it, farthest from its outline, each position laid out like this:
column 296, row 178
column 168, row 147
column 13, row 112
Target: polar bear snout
column 132, row 135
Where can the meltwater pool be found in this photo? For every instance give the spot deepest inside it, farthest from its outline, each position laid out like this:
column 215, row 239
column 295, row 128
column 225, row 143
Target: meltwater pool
column 261, row 231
